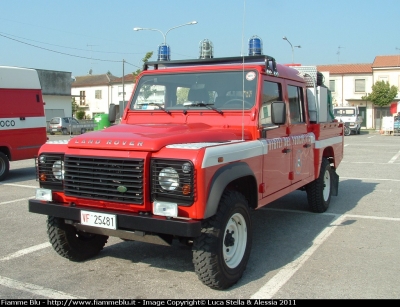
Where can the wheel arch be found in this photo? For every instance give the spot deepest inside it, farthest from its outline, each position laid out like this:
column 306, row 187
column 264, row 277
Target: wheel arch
column 238, row 176
column 5, row 150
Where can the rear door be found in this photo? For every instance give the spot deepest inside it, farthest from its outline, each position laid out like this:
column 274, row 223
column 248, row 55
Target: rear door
column 301, row 155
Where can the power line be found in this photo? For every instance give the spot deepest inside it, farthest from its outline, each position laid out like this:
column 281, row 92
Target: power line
column 69, row 47
column 59, row 52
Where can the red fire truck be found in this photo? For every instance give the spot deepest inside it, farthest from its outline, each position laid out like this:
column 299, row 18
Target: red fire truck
column 201, row 144
column 22, row 120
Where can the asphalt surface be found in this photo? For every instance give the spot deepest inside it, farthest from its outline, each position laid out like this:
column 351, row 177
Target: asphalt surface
column 349, row 252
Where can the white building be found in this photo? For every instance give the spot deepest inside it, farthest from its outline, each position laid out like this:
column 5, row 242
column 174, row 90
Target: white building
column 350, row 82
column 95, row 93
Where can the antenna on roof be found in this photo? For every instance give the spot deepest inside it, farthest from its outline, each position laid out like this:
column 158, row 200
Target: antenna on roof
column 338, row 52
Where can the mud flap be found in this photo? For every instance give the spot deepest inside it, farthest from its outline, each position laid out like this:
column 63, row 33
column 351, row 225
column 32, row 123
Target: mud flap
column 335, row 184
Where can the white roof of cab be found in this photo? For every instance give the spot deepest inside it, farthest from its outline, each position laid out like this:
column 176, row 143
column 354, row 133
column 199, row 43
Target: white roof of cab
column 16, row 77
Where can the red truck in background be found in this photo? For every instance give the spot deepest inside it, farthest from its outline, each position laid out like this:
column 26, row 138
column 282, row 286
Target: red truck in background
column 22, row 119
column 201, row 144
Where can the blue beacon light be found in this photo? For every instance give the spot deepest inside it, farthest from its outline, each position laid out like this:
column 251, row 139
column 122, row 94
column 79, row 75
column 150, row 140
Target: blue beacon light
column 255, row 45
column 164, row 52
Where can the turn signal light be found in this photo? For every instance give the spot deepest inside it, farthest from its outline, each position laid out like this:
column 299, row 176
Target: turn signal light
column 42, row 177
column 186, row 189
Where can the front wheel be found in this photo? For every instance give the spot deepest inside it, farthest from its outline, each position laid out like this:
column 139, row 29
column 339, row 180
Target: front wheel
column 319, row 191
column 221, row 253
column 347, row 131
column 72, row 244
column 64, row 131
column 4, row 166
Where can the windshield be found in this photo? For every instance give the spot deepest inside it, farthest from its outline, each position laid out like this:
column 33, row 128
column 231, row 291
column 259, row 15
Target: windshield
column 344, row 112
column 231, row 90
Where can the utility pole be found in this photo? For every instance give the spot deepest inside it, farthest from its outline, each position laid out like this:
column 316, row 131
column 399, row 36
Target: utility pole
column 123, row 86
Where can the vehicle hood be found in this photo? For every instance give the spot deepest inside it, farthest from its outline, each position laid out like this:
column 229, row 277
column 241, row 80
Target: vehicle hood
column 151, row 137
column 346, row 119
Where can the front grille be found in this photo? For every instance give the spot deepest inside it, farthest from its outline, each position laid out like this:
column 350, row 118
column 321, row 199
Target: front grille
column 117, row 180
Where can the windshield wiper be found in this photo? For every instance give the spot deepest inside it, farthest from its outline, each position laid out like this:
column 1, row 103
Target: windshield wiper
column 159, row 106
column 207, row 105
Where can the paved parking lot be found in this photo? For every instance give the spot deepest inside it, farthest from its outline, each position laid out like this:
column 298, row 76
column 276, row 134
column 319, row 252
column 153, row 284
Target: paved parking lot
column 350, row 251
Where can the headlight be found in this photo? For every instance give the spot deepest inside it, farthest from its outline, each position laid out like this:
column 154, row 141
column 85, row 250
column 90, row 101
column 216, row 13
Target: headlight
column 50, row 170
column 58, row 170
column 172, row 181
column 168, row 178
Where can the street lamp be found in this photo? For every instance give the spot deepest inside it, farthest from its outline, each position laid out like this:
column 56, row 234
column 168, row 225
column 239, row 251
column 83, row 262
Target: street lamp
column 164, row 48
column 165, row 35
column 285, row 38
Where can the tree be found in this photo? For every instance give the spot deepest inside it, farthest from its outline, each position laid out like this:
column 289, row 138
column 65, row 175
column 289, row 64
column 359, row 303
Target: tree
column 144, row 60
column 80, row 114
column 382, row 94
column 75, row 106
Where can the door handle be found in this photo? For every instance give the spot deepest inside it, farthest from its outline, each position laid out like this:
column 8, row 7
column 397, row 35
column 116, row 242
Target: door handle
column 307, row 145
column 286, row 150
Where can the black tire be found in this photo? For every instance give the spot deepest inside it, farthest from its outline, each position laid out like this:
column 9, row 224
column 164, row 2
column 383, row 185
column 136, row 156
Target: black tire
column 52, row 133
column 72, row 244
column 221, row 253
column 4, row 166
column 83, row 130
column 64, row 131
column 347, row 131
column 319, row 191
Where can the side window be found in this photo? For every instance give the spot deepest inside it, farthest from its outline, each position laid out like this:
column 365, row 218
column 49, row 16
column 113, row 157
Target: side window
column 271, row 92
column 296, row 104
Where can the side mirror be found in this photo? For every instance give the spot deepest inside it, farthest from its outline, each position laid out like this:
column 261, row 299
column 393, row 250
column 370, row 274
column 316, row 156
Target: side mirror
column 278, row 112
column 112, row 113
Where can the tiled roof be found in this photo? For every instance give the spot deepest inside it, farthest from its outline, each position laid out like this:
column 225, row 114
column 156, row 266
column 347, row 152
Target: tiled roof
column 386, row 61
column 93, row 80
column 127, row 78
column 346, row 68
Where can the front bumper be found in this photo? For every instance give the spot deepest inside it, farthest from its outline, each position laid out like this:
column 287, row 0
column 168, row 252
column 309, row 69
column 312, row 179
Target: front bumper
column 354, row 127
column 125, row 221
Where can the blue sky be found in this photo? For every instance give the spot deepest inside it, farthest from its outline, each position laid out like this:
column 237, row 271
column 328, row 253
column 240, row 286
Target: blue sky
column 77, row 36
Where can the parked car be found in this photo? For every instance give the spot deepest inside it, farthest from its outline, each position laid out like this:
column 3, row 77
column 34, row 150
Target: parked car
column 68, row 125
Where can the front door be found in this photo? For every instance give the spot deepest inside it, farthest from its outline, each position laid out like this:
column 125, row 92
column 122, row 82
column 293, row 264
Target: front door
column 276, row 160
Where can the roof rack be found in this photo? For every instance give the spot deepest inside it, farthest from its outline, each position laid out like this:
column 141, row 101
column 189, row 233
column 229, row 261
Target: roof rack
column 268, row 61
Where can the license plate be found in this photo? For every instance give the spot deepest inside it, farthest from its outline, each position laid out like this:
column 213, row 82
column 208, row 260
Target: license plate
column 54, row 129
column 96, row 219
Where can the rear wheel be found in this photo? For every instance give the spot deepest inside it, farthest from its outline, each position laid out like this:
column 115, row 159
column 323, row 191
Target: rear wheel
column 221, row 253
column 72, row 244
column 4, row 166
column 319, row 191
column 64, row 131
